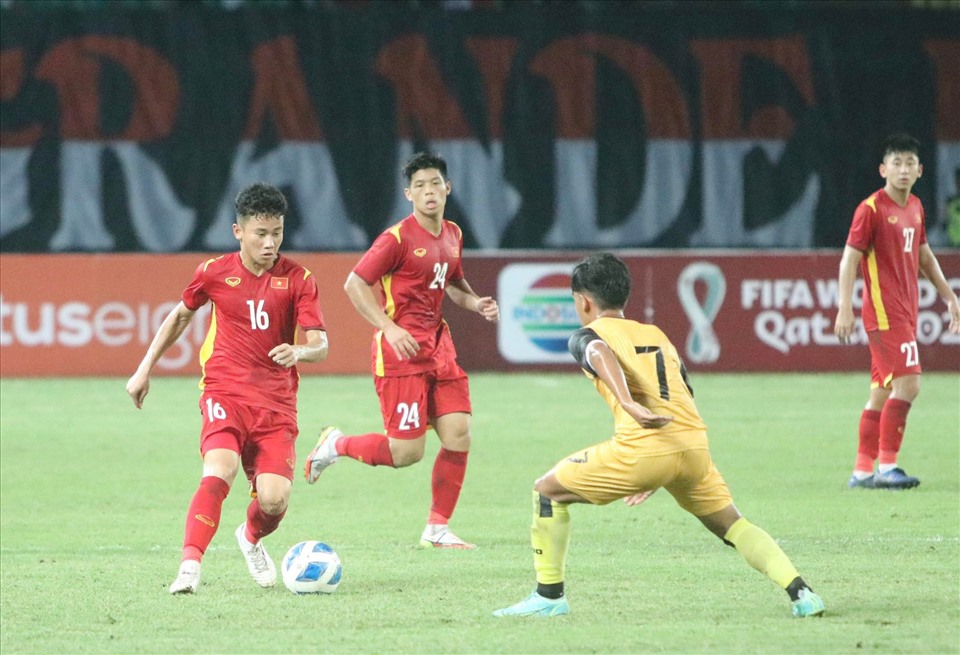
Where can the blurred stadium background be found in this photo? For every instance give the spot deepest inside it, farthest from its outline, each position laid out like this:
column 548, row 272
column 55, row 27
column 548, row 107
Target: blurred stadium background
column 721, row 147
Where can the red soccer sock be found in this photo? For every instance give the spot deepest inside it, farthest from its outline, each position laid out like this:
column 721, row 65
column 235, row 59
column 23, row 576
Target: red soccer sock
column 893, row 421
column 449, row 470
column 203, row 516
column 371, row 449
column 260, row 524
column 869, row 441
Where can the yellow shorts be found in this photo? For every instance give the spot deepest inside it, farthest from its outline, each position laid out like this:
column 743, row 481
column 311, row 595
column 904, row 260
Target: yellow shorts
column 608, row 471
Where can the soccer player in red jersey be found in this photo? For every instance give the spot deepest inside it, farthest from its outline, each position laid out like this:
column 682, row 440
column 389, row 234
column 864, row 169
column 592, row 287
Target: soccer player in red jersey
column 416, row 262
column 888, row 242
column 248, row 403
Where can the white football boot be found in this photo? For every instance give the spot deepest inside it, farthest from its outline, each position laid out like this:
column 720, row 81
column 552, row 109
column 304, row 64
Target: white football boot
column 261, row 567
column 324, row 454
column 188, row 578
column 440, row 536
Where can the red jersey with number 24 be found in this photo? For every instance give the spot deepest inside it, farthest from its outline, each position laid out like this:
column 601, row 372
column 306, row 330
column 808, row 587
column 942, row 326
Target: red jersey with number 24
column 413, row 268
column 251, row 316
column 890, row 237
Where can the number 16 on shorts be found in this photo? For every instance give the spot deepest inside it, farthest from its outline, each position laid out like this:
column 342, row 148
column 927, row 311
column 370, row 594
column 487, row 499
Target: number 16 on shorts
column 214, row 411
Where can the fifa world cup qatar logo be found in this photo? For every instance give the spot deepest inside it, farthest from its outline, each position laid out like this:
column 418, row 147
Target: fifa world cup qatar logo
column 703, row 347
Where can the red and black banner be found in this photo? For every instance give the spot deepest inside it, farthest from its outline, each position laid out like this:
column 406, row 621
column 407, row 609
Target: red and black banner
column 644, row 125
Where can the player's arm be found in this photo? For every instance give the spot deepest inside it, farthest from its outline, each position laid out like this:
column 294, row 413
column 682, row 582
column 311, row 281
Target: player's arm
column 315, row 349
column 596, row 357
column 849, row 264
column 460, row 292
column 170, row 330
column 931, row 270
column 362, row 296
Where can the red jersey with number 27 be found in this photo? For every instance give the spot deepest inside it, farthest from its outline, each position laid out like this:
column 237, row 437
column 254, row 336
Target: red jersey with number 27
column 890, row 237
column 413, row 268
column 251, row 316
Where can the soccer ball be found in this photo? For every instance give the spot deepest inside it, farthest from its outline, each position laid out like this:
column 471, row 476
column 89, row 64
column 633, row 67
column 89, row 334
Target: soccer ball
column 311, row 567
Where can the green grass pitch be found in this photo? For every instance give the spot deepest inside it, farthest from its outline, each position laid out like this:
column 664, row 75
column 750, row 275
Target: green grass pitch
column 94, row 495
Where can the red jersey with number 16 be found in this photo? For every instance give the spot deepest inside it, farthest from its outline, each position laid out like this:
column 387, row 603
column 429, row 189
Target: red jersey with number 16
column 251, row 316
column 890, row 237
column 413, row 268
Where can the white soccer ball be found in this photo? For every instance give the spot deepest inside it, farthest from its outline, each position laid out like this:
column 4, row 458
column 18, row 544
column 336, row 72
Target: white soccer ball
column 311, row 567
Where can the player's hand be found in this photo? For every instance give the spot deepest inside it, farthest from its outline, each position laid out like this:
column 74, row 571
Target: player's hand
column 844, row 327
column 637, row 499
column 138, row 387
column 645, row 417
column 954, row 310
column 403, row 344
column 285, row 355
column 487, row 307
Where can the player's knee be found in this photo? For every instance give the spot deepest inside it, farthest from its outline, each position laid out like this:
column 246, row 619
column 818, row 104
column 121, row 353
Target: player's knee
column 225, row 472
column 907, row 389
column 272, row 504
column 459, row 442
column 549, row 487
column 405, row 456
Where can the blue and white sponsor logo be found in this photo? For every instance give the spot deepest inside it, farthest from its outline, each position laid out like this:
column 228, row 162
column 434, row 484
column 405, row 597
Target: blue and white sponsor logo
column 537, row 314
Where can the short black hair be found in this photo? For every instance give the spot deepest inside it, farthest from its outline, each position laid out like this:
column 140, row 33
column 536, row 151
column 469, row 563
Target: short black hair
column 604, row 277
column 422, row 160
column 260, row 199
column 900, row 142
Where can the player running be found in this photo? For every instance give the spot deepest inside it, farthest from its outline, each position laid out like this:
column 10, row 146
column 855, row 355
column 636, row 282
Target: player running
column 416, row 262
column 249, row 386
column 659, row 441
column 888, row 242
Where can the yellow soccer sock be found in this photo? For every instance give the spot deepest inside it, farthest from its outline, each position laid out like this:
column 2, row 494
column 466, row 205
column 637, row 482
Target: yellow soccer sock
column 550, row 536
column 761, row 552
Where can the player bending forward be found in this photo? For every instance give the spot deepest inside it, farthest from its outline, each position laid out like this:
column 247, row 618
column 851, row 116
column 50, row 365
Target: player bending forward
column 416, row 262
column 659, row 441
column 248, row 403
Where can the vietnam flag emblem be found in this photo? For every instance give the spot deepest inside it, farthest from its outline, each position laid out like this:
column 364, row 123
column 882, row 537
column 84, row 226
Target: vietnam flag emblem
column 279, row 283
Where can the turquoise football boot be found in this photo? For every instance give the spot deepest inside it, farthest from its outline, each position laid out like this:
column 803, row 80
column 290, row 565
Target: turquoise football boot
column 808, row 604
column 536, row 605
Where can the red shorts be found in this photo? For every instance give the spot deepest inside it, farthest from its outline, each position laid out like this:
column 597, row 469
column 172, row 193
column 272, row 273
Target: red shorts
column 893, row 354
column 403, row 399
column 265, row 439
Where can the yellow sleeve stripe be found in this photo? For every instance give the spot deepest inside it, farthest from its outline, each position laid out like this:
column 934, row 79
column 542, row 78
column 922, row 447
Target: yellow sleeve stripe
column 206, row 350
column 882, row 322
column 306, row 273
column 208, row 262
column 872, row 202
column 395, row 231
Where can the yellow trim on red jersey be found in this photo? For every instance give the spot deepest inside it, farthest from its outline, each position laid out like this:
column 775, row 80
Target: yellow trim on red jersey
column 306, row 273
column 391, row 307
column 882, row 322
column 379, row 366
column 395, row 231
column 210, row 261
column 871, row 202
column 206, row 350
